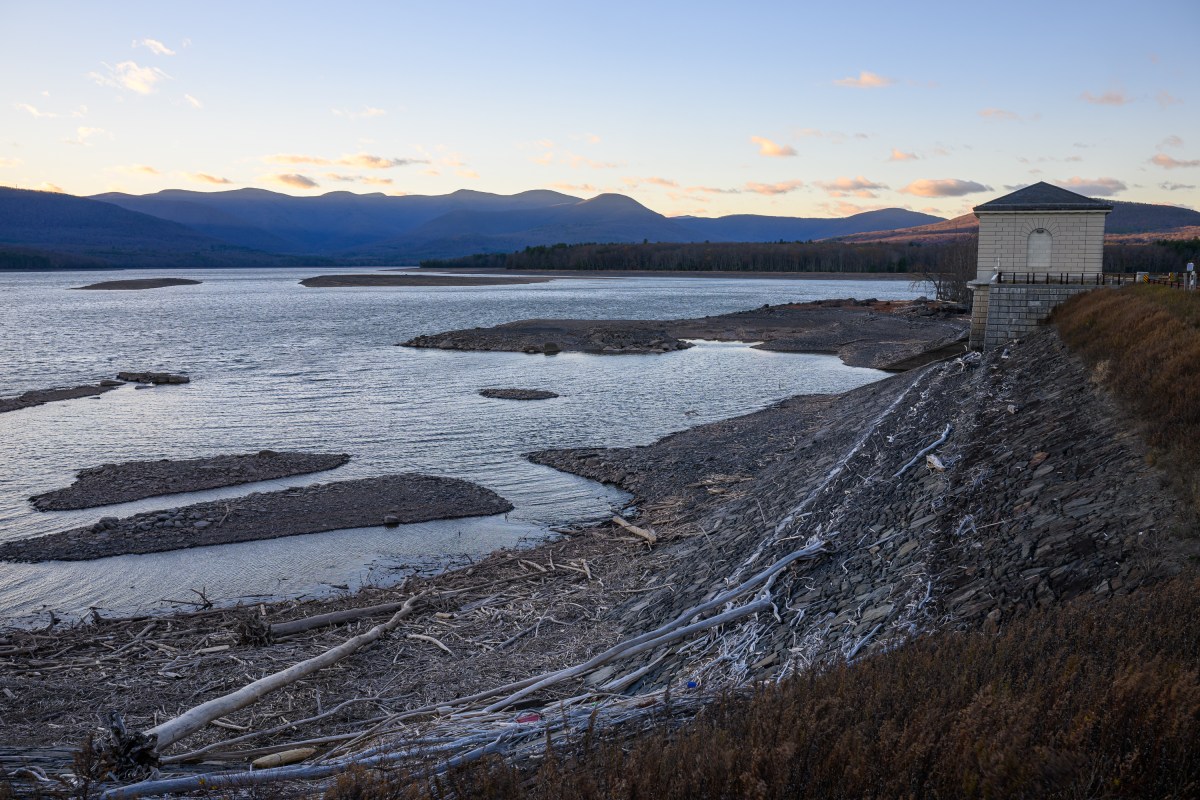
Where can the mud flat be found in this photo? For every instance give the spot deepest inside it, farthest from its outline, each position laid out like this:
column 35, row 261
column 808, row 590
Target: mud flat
column 336, row 281
column 140, row 283
column 517, row 394
column 37, row 397
column 386, row 500
column 136, row 480
column 863, row 333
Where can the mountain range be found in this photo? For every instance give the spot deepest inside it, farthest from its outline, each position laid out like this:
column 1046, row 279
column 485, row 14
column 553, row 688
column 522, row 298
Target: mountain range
column 1128, row 222
column 245, row 227
column 187, row 228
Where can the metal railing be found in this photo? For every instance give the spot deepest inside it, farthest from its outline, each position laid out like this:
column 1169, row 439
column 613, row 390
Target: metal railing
column 1178, row 280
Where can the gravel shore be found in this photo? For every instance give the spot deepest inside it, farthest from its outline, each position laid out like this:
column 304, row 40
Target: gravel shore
column 134, row 480
column 864, row 333
column 387, row 500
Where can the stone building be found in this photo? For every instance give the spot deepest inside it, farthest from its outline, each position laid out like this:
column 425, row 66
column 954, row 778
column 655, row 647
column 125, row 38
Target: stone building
column 1037, row 247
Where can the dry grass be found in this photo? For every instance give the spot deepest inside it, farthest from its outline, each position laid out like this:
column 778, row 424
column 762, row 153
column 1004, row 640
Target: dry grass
column 1088, row 700
column 1143, row 343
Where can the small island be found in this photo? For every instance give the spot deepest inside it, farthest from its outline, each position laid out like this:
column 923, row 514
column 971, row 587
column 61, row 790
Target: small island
column 517, row 394
column 343, row 281
column 135, row 480
column 140, row 283
column 386, row 500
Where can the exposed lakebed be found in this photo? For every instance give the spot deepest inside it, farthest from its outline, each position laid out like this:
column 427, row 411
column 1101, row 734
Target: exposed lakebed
column 279, row 366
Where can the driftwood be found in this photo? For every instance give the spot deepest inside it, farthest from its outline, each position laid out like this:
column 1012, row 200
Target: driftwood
column 649, row 536
column 940, row 441
column 192, row 720
column 333, row 618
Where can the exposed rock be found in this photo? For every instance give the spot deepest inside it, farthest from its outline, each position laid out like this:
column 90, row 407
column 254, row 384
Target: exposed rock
column 153, row 377
column 885, row 335
column 518, row 394
column 39, row 397
column 269, row 515
column 135, row 480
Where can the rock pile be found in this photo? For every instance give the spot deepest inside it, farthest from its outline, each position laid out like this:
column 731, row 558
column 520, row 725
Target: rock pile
column 153, row 377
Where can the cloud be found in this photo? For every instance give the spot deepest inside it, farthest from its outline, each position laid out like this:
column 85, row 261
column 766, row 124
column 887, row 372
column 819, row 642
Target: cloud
column 1170, row 141
column 768, row 148
column 711, row 190
column 10, row 162
column 591, row 138
column 843, row 187
column 368, row 161
column 774, row 188
column 204, row 177
column 294, row 180
column 1000, row 114
column 1170, row 187
column 367, row 113
column 1166, row 99
column 51, row 187
column 1095, row 187
column 333, row 176
column 1113, row 97
column 469, row 174
column 138, row 169
column 574, row 187
column 128, row 75
column 900, row 155
column 653, row 181
column 865, row 80
column 371, row 181
column 947, row 187
column 545, row 158
column 1166, row 162
column 154, row 46
column 83, row 134
column 193, row 102
column 38, row 113
column 290, row 158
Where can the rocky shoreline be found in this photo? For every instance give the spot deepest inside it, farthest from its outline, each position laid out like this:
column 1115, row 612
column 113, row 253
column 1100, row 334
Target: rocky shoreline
column 863, row 333
column 38, row 397
column 109, row 484
column 386, row 500
column 956, row 496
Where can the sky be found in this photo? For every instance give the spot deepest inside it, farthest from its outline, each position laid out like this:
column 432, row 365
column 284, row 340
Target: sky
column 795, row 109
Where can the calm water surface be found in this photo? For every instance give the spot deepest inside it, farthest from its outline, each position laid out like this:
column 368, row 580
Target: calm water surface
column 279, row 366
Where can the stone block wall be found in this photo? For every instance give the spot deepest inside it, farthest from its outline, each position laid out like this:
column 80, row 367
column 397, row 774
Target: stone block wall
column 979, row 315
column 1078, row 241
column 1014, row 311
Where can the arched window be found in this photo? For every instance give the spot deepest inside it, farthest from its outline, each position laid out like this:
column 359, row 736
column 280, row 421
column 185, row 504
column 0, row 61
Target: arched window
column 1039, row 247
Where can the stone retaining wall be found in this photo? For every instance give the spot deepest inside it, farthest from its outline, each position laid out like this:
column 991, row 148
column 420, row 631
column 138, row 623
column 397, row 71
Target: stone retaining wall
column 1015, row 311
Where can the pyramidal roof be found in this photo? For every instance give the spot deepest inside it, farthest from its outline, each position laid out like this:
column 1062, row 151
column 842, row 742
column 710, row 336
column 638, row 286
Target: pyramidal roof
column 1041, row 196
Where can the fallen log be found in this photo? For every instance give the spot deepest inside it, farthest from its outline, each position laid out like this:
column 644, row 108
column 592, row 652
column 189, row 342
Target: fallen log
column 192, row 720
column 648, row 535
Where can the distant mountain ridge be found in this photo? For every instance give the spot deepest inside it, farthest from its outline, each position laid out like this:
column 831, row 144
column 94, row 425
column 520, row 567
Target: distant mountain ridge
column 377, row 227
column 62, row 231
column 178, row 227
column 1135, row 221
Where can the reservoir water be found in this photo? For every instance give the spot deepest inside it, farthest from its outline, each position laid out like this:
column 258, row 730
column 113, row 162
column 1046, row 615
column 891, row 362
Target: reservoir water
column 275, row 365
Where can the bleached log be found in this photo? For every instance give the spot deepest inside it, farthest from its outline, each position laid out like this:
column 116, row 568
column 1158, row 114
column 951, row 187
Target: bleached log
column 333, row 618
column 940, row 441
column 192, row 720
column 648, row 535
